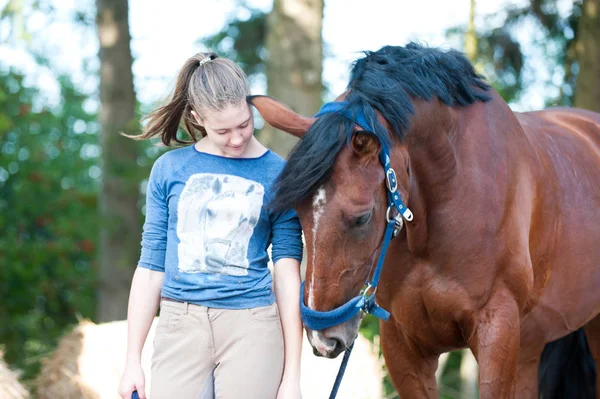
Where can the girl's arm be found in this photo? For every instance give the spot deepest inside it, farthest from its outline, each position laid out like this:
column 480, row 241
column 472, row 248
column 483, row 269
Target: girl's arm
column 144, row 299
column 287, row 294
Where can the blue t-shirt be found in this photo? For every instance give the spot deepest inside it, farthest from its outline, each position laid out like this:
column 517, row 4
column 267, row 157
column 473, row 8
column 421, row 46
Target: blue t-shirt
column 208, row 228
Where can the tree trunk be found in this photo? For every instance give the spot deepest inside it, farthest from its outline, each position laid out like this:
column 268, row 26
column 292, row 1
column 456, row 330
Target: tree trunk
column 121, row 225
column 294, row 66
column 471, row 36
column 587, row 91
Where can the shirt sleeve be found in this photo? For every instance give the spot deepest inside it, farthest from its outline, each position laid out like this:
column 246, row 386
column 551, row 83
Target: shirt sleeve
column 154, row 235
column 286, row 236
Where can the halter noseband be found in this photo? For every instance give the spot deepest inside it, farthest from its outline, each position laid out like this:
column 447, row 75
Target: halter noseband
column 365, row 301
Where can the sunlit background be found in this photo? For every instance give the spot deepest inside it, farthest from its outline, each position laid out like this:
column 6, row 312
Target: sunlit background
column 53, row 165
column 164, row 34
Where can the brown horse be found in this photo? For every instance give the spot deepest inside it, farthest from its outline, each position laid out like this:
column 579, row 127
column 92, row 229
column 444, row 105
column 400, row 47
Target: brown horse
column 503, row 253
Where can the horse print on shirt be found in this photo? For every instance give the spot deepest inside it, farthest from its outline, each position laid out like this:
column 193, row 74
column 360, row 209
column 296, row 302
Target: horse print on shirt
column 216, row 217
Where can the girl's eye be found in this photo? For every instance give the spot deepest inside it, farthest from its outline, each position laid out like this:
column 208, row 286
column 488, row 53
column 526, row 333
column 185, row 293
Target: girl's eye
column 362, row 220
column 244, row 125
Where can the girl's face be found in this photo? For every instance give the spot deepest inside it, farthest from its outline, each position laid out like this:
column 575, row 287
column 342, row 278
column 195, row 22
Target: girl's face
column 229, row 130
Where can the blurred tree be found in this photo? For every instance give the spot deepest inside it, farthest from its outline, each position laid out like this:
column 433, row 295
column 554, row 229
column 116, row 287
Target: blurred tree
column 48, row 190
column 48, row 196
column 13, row 10
column 587, row 49
column 294, row 46
column 501, row 56
column 121, row 221
column 471, row 35
column 569, row 46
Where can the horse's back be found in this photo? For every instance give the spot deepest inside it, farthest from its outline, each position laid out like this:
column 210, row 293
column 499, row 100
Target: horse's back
column 572, row 121
column 566, row 150
column 566, row 160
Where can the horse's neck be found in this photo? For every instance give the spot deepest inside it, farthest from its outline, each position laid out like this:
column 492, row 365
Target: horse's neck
column 450, row 151
column 433, row 162
column 432, row 165
column 445, row 139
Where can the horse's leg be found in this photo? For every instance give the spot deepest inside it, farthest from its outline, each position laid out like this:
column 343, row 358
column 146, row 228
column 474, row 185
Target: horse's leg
column 527, row 372
column 412, row 372
column 530, row 352
column 495, row 344
column 592, row 332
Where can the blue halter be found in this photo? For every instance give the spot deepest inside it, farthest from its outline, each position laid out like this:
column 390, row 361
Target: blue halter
column 365, row 301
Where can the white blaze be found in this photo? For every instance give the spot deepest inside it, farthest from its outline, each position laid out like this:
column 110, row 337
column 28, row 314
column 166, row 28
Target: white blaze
column 318, row 203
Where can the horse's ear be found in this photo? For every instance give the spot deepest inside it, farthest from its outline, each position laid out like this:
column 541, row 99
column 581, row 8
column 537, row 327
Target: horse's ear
column 281, row 117
column 365, row 145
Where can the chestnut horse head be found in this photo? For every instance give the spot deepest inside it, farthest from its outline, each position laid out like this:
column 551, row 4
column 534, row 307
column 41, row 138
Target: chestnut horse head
column 335, row 178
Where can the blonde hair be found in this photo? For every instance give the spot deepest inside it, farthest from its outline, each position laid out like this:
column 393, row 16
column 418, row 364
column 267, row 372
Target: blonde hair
column 205, row 82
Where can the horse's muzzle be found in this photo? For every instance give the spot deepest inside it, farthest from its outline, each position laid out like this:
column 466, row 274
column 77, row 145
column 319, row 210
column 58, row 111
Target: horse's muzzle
column 325, row 347
column 332, row 341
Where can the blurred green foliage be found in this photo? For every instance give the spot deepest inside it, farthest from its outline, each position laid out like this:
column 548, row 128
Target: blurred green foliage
column 49, row 180
column 500, row 53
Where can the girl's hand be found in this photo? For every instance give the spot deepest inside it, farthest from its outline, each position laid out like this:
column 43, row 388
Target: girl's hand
column 132, row 380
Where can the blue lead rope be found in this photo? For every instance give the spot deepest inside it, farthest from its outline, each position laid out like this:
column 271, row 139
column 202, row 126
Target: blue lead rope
column 365, row 301
column 341, row 371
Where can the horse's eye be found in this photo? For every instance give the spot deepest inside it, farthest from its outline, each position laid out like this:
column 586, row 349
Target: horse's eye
column 362, row 220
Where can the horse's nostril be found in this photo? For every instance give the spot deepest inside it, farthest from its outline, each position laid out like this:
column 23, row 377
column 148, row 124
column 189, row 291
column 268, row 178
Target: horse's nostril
column 316, row 352
column 337, row 345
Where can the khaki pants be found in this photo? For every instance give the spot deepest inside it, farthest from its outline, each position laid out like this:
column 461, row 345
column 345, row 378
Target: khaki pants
column 243, row 349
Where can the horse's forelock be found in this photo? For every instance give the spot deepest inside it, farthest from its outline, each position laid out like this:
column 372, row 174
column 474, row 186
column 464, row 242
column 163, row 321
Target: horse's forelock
column 310, row 163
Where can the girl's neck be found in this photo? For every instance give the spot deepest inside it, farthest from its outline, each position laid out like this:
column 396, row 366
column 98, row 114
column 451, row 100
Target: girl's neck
column 254, row 149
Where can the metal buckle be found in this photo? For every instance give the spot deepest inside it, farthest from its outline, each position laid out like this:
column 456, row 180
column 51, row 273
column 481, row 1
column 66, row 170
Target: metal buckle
column 397, row 220
column 391, row 182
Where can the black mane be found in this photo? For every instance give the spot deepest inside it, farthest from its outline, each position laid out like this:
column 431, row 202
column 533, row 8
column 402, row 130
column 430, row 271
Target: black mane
column 385, row 81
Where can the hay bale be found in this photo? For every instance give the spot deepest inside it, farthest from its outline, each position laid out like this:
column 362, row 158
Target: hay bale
column 89, row 361
column 10, row 387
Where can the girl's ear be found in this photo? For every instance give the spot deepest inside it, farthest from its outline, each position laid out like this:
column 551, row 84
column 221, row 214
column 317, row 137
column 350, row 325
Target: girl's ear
column 197, row 118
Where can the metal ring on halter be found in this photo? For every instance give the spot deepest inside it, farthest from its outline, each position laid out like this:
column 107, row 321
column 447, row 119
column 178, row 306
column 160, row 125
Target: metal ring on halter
column 365, row 291
column 388, row 215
